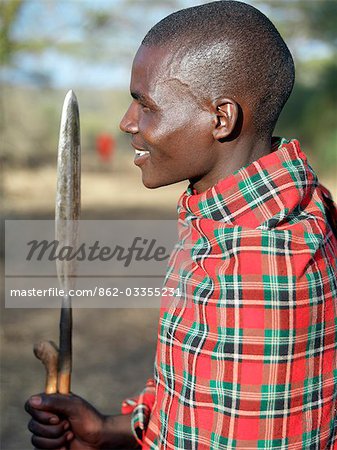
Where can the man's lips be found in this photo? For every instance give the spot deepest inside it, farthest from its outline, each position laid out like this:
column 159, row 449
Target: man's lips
column 141, row 155
column 139, row 151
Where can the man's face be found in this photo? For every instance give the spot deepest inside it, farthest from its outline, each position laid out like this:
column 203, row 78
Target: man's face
column 170, row 127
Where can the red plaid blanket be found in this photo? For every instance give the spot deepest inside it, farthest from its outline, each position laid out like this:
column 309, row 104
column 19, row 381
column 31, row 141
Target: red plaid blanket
column 247, row 358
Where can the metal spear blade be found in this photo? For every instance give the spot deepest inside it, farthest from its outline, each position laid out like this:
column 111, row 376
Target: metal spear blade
column 68, row 191
column 67, row 213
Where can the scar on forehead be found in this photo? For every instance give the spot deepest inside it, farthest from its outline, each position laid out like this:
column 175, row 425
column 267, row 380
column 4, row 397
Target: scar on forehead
column 178, row 85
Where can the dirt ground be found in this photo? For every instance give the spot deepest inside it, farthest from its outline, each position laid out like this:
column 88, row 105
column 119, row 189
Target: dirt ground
column 113, row 348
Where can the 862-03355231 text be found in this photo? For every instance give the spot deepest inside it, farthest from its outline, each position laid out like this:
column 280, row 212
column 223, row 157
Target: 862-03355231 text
column 99, row 291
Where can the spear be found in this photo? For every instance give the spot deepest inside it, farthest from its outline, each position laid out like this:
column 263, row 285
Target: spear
column 67, row 213
column 58, row 362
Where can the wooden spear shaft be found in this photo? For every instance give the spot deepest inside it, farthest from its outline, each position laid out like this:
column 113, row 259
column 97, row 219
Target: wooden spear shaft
column 65, row 347
column 47, row 352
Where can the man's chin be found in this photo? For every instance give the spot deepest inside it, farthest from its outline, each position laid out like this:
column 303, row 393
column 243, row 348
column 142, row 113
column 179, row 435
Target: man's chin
column 154, row 184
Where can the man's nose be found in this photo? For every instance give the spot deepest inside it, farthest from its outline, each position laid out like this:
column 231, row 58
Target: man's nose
column 129, row 123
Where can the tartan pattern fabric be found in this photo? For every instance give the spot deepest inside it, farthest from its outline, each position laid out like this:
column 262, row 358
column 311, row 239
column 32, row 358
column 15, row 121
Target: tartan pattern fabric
column 246, row 359
column 141, row 407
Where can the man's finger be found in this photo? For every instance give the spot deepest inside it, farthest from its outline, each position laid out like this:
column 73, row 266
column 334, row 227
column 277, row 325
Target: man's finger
column 51, row 444
column 48, row 431
column 67, row 405
column 43, row 417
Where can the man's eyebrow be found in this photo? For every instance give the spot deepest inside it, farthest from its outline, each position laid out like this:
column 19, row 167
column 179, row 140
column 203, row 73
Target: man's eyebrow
column 142, row 98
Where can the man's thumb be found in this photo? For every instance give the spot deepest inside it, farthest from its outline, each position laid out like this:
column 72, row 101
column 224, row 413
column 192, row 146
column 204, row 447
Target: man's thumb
column 56, row 403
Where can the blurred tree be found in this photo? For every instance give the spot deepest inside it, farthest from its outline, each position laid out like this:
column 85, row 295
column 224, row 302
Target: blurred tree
column 311, row 111
column 108, row 32
column 9, row 12
column 113, row 29
column 301, row 18
column 318, row 20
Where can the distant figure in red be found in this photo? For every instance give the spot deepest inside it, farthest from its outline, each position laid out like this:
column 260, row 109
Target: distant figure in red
column 105, row 147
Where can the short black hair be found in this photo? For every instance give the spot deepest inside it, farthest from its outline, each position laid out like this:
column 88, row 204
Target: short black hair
column 230, row 48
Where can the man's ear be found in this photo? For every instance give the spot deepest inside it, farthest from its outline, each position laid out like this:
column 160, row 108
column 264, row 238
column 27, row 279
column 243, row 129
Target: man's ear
column 226, row 113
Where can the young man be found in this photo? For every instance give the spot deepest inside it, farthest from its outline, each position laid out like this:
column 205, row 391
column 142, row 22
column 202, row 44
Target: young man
column 246, row 359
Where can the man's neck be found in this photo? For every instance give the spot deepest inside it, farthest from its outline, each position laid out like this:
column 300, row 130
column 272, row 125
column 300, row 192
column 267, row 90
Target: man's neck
column 231, row 157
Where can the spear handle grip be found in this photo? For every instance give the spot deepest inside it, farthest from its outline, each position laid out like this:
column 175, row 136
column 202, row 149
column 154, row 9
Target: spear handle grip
column 65, row 358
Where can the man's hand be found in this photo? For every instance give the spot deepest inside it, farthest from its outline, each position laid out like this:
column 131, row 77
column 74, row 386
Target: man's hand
column 69, row 422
